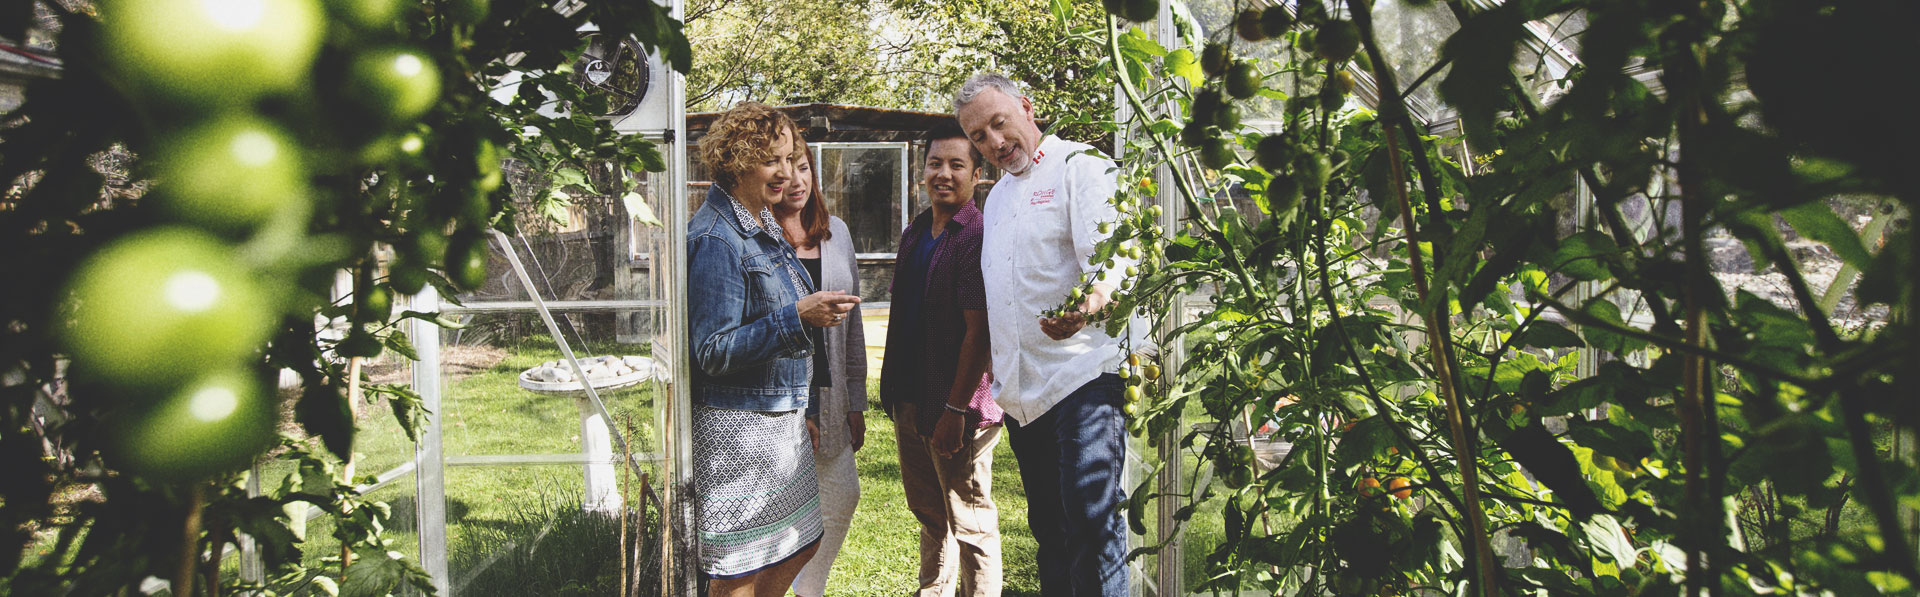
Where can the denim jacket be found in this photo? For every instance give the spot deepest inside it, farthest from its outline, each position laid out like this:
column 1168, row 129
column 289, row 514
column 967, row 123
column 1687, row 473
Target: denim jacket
column 750, row 350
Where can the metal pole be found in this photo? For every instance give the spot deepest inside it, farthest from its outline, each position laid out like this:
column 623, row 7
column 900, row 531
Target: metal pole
column 679, row 544
column 430, row 490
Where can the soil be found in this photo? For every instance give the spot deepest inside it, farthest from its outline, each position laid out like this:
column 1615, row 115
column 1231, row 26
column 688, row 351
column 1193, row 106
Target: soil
column 456, row 362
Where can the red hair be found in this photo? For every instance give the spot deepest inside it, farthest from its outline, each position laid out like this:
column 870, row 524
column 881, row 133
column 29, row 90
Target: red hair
column 814, row 216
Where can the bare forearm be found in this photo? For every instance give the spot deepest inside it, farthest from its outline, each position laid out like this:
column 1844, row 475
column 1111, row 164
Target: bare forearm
column 974, row 361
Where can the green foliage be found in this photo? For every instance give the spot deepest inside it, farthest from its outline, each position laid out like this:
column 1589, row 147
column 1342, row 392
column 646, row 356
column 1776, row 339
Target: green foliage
column 907, row 55
column 273, row 149
column 1441, row 319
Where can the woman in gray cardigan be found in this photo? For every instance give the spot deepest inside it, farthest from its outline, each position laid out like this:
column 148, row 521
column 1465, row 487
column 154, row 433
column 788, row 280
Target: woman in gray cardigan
column 837, row 416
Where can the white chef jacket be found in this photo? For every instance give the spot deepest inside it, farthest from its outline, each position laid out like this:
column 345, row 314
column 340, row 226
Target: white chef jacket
column 1040, row 230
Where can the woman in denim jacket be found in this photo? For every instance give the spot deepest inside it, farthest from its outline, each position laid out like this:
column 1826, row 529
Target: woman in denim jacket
column 759, row 507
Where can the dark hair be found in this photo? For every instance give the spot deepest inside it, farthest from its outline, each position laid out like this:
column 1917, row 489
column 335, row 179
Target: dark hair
column 740, row 138
column 814, row 215
column 951, row 130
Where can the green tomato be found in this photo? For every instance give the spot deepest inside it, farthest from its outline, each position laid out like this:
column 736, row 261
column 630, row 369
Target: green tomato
column 1207, row 103
column 232, row 173
column 1247, row 24
column 468, row 12
column 1243, row 80
column 213, row 424
column 359, row 343
column 1275, row 21
column 390, row 148
column 1312, row 170
column 467, row 261
column 487, row 162
column 1214, row 59
column 158, row 306
column 1141, row 11
column 1283, row 193
column 1241, row 456
column 406, row 276
column 1227, row 118
column 369, row 14
column 1198, row 131
column 1236, row 476
column 1273, row 152
column 1216, row 154
column 375, row 305
column 1330, row 98
column 222, row 51
column 396, row 83
column 1336, row 40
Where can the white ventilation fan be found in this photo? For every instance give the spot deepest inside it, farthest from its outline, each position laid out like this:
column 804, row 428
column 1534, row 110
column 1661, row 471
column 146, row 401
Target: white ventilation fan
column 614, row 69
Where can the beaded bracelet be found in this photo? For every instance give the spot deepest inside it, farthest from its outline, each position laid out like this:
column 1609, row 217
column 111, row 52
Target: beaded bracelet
column 955, row 409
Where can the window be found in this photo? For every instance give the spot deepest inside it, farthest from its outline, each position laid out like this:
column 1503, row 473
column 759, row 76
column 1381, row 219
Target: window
column 866, row 185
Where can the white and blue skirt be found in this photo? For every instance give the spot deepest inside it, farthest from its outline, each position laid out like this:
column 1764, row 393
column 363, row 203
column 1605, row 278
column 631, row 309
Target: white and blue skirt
column 758, row 499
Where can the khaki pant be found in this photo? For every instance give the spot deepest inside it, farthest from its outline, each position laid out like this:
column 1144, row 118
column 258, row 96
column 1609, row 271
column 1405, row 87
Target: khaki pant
column 953, row 500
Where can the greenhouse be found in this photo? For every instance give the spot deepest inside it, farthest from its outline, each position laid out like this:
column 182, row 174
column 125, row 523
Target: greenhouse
column 1383, row 297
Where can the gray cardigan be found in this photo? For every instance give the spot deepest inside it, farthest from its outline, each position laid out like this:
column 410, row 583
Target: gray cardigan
column 847, row 342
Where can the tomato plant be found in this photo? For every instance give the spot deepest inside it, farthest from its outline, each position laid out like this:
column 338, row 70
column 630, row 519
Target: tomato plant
column 1496, row 339
column 269, row 144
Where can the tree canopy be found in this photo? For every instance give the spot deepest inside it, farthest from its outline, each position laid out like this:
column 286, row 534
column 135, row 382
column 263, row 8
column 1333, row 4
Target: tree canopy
column 896, row 54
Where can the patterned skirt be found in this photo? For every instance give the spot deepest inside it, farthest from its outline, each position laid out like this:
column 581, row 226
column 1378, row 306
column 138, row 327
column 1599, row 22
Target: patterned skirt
column 759, row 502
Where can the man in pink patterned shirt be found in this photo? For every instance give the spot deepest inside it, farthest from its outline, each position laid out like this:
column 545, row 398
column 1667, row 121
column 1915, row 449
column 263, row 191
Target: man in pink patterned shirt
column 934, row 379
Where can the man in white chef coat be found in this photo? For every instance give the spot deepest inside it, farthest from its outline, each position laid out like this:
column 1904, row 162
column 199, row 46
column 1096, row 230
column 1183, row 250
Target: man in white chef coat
column 1056, row 378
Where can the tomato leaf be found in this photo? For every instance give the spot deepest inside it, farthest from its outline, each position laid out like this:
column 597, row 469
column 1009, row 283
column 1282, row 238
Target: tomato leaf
column 1547, row 334
column 1553, row 464
column 1816, row 220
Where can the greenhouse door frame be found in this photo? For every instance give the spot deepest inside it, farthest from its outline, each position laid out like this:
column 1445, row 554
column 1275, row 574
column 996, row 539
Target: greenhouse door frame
column 430, row 462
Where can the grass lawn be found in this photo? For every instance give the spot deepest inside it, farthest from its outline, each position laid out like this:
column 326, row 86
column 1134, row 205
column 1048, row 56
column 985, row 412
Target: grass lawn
column 882, row 554
column 491, row 509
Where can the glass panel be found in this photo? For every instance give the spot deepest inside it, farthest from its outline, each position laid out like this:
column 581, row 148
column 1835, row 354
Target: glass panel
column 522, row 530
column 861, row 185
column 537, row 487
column 596, row 252
column 1215, row 18
column 1410, row 38
column 507, row 390
column 402, row 527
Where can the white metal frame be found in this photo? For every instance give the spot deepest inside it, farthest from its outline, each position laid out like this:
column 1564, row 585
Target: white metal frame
column 430, row 462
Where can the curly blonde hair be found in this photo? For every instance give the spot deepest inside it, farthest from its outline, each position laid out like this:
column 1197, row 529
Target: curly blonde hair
column 740, row 139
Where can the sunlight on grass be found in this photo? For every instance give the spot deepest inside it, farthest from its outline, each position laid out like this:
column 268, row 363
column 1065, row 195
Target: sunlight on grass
column 882, row 554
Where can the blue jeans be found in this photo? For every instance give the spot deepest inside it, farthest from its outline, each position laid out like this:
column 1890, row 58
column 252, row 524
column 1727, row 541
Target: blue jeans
column 1070, row 461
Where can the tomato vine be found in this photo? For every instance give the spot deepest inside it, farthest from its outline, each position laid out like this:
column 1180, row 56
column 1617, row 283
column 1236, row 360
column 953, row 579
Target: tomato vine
column 1571, row 398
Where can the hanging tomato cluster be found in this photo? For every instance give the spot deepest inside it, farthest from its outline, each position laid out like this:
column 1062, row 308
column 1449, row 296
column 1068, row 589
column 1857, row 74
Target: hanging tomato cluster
column 284, row 138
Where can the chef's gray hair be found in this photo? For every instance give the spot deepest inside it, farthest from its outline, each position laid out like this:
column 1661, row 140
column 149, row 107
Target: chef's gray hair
column 981, row 82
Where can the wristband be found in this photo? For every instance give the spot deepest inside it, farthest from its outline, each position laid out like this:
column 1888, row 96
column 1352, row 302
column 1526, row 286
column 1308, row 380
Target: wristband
column 955, row 409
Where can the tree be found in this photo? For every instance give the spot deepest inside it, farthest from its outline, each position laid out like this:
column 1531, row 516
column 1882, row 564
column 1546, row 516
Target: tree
column 279, row 146
column 906, row 55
